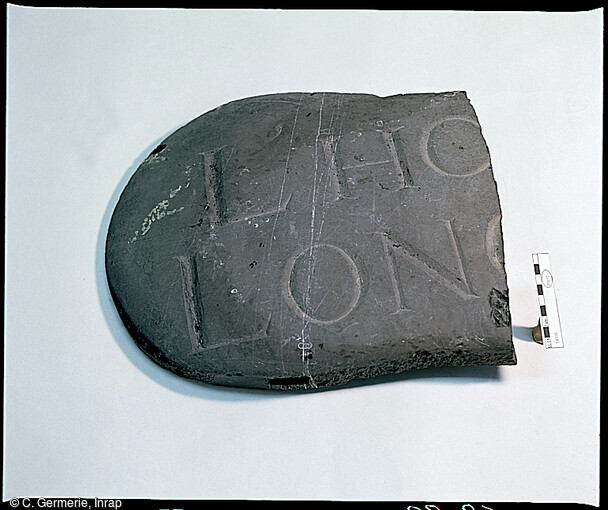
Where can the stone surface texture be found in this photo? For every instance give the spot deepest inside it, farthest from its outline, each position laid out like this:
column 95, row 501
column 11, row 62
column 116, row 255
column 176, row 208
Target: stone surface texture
column 303, row 240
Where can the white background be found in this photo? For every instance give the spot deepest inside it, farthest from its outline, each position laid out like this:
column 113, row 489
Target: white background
column 91, row 92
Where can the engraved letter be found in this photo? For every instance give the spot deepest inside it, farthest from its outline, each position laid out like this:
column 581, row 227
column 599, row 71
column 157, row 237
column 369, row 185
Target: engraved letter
column 321, row 299
column 195, row 315
column 456, row 283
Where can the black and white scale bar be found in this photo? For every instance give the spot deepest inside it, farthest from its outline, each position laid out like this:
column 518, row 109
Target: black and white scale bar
column 550, row 325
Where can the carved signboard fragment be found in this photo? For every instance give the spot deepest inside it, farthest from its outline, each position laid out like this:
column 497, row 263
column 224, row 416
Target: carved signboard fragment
column 296, row 241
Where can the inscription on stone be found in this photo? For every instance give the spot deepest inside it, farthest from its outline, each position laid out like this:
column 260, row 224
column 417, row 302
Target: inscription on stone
column 299, row 241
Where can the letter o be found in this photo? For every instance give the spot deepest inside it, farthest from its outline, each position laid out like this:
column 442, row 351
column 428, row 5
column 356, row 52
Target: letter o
column 348, row 266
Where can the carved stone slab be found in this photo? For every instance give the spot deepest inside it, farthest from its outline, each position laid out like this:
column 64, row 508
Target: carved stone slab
column 303, row 240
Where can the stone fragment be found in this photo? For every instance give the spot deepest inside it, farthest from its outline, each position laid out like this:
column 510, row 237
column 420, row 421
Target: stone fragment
column 302, row 240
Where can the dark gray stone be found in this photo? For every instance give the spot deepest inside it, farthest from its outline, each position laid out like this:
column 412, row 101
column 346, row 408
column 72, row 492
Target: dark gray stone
column 304, row 240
